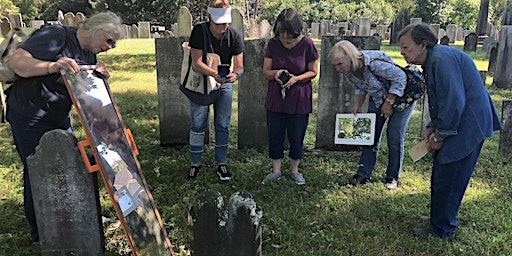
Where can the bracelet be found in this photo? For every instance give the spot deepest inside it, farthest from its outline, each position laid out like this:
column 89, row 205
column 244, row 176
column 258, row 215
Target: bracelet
column 48, row 67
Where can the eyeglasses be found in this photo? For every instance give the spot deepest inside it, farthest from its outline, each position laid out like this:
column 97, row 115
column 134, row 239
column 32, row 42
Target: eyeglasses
column 111, row 42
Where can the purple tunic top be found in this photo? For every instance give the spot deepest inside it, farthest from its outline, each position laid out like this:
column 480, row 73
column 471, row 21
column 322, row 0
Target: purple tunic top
column 299, row 98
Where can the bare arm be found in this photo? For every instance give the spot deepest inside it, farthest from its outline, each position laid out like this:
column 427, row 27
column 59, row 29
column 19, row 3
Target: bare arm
column 268, row 72
column 25, row 65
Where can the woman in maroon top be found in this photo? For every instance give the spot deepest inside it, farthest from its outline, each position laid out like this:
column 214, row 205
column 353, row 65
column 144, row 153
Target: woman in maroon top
column 291, row 61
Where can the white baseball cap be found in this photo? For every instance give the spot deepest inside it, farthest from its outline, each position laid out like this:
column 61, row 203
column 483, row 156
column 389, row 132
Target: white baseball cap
column 220, row 15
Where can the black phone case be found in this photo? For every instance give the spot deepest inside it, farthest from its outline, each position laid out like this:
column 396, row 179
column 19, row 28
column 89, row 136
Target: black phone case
column 284, row 77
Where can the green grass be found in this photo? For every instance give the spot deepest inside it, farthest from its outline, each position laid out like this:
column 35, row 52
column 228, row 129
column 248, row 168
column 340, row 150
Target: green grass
column 324, row 217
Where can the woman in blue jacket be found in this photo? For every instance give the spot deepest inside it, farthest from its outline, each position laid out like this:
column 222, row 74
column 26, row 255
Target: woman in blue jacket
column 462, row 117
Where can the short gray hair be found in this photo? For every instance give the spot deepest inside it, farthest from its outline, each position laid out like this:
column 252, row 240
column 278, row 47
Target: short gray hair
column 106, row 21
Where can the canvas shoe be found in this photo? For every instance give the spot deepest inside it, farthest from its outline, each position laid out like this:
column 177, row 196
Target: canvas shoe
column 194, row 171
column 271, row 177
column 391, row 184
column 358, row 180
column 298, row 178
column 222, row 171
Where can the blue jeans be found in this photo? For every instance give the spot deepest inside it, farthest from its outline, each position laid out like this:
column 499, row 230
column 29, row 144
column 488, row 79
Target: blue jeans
column 295, row 125
column 199, row 122
column 447, row 187
column 397, row 126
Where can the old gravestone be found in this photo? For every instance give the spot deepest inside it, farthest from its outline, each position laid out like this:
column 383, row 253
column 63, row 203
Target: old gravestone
column 134, row 31
column 144, row 29
column 79, row 17
column 5, row 26
column 184, row 22
column 315, row 29
column 506, row 134
column 16, row 20
column 265, row 29
column 252, row 88
column 237, row 21
column 493, row 56
column 365, row 24
column 486, row 42
column 503, row 75
column 173, row 106
column 36, row 23
column 335, row 93
column 65, row 198
column 416, row 20
column 451, row 31
column 234, row 230
column 69, row 19
column 470, row 42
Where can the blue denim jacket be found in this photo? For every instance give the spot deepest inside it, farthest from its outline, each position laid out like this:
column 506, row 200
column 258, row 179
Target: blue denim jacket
column 461, row 109
column 375, row 68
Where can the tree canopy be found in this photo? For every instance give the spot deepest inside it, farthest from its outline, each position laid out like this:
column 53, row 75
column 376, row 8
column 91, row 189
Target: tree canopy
column 463, row 13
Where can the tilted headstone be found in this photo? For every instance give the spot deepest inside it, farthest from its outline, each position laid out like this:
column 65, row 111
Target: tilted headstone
column 5, row 26
column 335, row 93
column 144, row 29
column 493, row 57
column 134, row 31
column 69, row 19
column 184, row 22
column 416, row 20
column 252, row 89
column 16, row 20
column 470, row 42
column 65, row 198
column 234, row 230
column 265, row 29
column 237, row 21
column 451, row 31
column 503, row 75
column 173, row 106
column 365, row 24
column 506, row 134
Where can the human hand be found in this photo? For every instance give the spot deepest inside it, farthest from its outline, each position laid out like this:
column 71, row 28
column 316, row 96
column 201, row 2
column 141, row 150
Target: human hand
column 64, row 63
column 427, row 134
column 355, row 110
column 102, row 69
column 434, row 144
column 386, row 110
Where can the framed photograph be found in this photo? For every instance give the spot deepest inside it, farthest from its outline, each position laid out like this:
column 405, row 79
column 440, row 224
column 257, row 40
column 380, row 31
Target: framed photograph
column 355, row 130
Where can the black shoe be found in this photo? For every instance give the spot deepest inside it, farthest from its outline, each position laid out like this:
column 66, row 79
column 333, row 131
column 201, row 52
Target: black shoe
column 194, row 171
column 222, row 171
column 358, row 180
column 424, row 233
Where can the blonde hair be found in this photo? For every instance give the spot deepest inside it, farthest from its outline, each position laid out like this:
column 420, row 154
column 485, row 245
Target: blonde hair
column 344, row 49
column 219, row 4
column 106, row 21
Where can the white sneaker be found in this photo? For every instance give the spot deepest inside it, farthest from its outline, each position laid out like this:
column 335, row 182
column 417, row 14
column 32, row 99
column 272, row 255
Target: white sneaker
column 391, row 184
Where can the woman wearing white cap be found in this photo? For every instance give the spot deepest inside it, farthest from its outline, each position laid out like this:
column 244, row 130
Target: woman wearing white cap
column 229, row 45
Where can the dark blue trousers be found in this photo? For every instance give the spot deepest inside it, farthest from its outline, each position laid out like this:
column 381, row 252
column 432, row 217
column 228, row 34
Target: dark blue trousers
column 279, row 124
column 26, row 137
column 448, row 185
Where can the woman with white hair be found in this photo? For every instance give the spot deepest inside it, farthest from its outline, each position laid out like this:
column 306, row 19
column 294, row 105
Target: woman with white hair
column 229, row 45
column 39, row 102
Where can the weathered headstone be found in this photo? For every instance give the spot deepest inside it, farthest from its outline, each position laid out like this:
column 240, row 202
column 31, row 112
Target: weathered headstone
column 324, row 28
column 435, row 28
column 135, row 31
column 486, row 42
column 481, row 23
column 5, row 26
column 265, row 29
column 442, row 33
column 79, row 17
column 254, row 28
column 503, row 75
column 65, row 198
column 60, row 17
column 335, row 93
column 459, row 35
column 173, row 106
column 398, row 24
column 184, row 22
column 237, row 21
column 416, row 20
column 451, row 31
column 144, row 29
column 125, row 31
column 470, row 42
column 506, row 133
column 365, row 24
column 493, row 57
column 16, row 20
column 315, row 30
column 69, row 19
column 234, row 230
column 483, row 75
column 36, row 24
column 381, row 30
column 252, row 88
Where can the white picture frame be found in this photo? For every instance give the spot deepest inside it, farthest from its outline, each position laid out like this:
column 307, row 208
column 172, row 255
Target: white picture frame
column 344, row 129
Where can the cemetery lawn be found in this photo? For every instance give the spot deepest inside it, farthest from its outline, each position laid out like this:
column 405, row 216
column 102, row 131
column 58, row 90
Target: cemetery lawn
column 324, row 217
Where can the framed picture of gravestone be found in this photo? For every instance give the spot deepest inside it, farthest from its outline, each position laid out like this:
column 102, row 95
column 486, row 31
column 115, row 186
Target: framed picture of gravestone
column 355, row 130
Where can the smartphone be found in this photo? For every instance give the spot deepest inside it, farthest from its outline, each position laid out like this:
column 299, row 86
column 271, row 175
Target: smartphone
column 223, row 70
column 284, row 77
